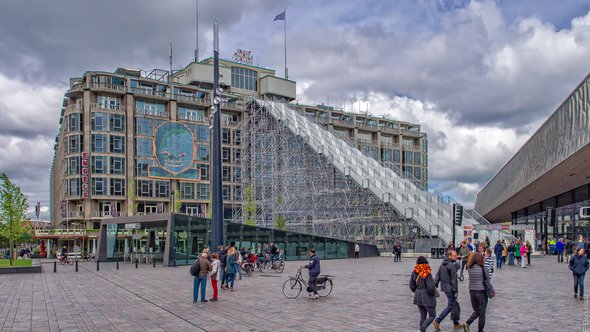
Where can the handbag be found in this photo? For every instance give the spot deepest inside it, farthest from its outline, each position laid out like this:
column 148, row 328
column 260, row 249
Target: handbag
column 487, row 282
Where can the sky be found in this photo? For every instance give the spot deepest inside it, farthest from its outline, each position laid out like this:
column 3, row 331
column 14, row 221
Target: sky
column 479, row 76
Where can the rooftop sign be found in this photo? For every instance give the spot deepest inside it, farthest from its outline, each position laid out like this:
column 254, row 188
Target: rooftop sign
column 243, row 56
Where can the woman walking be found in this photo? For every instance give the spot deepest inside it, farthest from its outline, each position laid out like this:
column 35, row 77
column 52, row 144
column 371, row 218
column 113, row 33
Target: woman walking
column 231, row 268
column 477, row 292
column 579, row 265
column 424, row 289
column 523, row 255
column 214, row 275
column 511, row 250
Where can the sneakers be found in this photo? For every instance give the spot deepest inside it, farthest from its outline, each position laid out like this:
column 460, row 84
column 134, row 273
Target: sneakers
column 316, row 296
column 436, row 325
column 458, row 326
column 212, row 300
column 466, row 327
column 204, row 301
column 310, row 294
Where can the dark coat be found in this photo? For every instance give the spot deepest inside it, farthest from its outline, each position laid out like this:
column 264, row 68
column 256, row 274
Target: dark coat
column 423, row 289
column 579, row 264
column 447, row 276
column 498, row 249
column 313, row 266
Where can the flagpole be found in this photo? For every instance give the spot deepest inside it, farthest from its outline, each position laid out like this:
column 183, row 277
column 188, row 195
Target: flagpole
column 286, row 70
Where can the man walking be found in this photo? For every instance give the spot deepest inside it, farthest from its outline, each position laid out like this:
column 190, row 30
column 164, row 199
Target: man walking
column 447, row 277
column 560, row 247
column 314, row 272
column 498, row 251
column 357, row 248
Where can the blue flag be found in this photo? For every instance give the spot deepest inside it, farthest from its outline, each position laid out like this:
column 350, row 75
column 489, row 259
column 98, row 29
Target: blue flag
column 281, row 16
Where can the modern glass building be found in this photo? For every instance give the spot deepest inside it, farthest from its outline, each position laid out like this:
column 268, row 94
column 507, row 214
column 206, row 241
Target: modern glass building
column 548, row 180
column 177, row 239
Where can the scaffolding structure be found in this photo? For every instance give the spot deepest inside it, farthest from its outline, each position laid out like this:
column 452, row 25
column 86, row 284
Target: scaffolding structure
column 288, row 185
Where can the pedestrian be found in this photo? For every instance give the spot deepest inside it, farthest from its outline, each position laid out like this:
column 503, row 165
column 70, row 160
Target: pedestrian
column 223, row 265
column 238, row 263
column 511, row 250
column 469, row 246
column 394, row 252
column 357, row 248
column 314, row 271
column 489, row 262
column 477, row 292
column 560, row 249
column 578, row 264
column 569, row 249
column 504, row 252
column 215, row 274
column 498, row 249
column 424, row 289
column 517, row 252
column 447, row 277
column 201, row 280
column 399, row 251
column 464, row 254
column 539, row 244
column 450, row 246
column 523, row 252
column 529, row 251
column 581, row 242
column 230, row 268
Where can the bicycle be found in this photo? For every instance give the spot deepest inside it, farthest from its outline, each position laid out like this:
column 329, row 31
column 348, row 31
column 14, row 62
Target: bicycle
column 293, row 286
column 248, row 269
column 64, row 259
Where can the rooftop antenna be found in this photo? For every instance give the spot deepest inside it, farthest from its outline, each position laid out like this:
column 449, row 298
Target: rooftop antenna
column 170, row 75
column 197, row 41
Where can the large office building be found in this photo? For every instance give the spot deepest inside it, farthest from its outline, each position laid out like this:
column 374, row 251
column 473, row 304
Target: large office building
column 547, row 181
column 280, row 165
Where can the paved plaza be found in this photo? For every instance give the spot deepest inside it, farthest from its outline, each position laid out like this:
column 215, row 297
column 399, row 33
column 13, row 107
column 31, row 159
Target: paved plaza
column 370, row 294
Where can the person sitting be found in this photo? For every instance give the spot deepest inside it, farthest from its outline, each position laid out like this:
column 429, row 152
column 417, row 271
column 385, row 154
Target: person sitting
column 274, row 253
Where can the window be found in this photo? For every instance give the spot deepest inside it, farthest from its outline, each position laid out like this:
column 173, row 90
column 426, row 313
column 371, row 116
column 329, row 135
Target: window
column 99, row 164
column 117, row 165
column 74, row 123
column 141, row 167
column 162, row 188
column 226, row 154
column 98, row 186
column 98, row 121
column 74, row 143
column 202, row 191
column 117, row 122
column 118, row 187
column 386, row 154
column 237, row 155
column 204, row 171
column 144, row 107
column 226, row 173
column 203, row 153
column 192, row 114
column 396, row 156
column 99, row 143
column 237, row 137
column 74, row 166
column 187, row 190
column 109, row 103
column 202, row 133
column 118, row 144
column 74, row 189
column 144, row 126
column 408, row 157
column 237, row 175
column 417, row 172
column 225, row 135
column 144, row 188
column 144, row 147
column 225, row 192
column 417, row 158
column 244, row 78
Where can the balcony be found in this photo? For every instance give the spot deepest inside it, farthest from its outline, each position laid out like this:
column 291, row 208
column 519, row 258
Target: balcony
column 72, row 109
column 342, row 123
column 95, row 107
column 191, row 117
column 104, row 214
column 151, row 112
column 77, row 88
column 387, row 129
column 367, row 141
column 191, row 100
column 231, row 105
column 74, row 215
column 108, row 87
column 228, row 122
column 366, row 126
column 162, row 95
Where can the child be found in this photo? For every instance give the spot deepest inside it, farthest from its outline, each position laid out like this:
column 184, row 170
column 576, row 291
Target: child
column 214, row 275
column 489, row 262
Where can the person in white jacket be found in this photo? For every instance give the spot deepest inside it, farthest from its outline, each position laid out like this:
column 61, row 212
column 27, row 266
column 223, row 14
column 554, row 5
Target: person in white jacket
column 214, row 275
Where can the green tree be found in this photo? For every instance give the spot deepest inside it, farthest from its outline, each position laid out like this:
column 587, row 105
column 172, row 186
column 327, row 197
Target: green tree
column 13, row 209
column 131, row 196
column 250, row 208
column 281, row 222
column 177, row 202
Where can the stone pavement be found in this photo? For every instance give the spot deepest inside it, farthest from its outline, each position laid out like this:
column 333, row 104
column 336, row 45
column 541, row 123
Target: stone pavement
column 369, row 294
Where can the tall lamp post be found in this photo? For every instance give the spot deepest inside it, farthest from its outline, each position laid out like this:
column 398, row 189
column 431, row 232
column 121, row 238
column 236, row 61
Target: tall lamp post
column 216, row 184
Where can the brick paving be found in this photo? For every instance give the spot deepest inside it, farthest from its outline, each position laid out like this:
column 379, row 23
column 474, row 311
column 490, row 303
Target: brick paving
column 370, row 294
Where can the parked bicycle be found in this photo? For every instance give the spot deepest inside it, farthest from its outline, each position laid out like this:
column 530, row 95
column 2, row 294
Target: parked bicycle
column 293, row 286
column 248, row 268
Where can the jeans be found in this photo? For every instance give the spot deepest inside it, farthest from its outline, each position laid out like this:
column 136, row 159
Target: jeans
column 463, row 263
column 452, row 307
column 511, row 258
column 312, row 285
column 479, row 303
column 425, row 322
column 560, row 256
column 239, row 269
column 214, row 286
column 579, row 281
column 230, row 279
column 356, row 254
column 222, row 275
column 498, row 262
column 528, row 258
column 202, row 283
column 523, row 262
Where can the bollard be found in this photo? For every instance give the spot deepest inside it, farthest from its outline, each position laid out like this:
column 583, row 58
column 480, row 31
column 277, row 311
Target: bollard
column 154, row 262
column 54, row 267
column 76, row 266
column 117, row 263
column 97, row 266
column 136, row 263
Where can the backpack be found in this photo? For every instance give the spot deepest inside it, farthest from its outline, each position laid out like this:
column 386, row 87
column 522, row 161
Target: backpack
column 195, row 268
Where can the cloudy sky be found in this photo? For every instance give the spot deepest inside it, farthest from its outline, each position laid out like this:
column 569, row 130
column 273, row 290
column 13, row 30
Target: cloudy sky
column 480, row 76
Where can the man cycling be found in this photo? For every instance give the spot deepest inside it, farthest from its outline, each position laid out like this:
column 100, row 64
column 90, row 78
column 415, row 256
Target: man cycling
column 314, row 272
column 274, row 253
column 64, row 254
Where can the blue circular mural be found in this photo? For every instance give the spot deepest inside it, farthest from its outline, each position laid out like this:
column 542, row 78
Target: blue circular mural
column 174, row 147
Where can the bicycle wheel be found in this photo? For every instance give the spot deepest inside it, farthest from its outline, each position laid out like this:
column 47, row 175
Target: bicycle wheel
column 249, row 270
column 266, row 267
column 280, row 268
column 292, row 288
column 325, row 289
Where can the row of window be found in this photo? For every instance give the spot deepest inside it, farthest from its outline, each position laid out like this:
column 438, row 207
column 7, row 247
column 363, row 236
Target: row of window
column 107, row 122
column 99, row 186
column 107, row 143
column 142, row 165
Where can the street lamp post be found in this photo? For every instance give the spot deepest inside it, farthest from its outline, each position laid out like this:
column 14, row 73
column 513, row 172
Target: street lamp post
column 216, row 184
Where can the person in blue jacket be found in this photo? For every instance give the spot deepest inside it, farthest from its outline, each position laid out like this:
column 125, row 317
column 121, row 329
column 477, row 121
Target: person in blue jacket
column 498, row 252
column 560, row 247
column 314, row 272
column 579, row 265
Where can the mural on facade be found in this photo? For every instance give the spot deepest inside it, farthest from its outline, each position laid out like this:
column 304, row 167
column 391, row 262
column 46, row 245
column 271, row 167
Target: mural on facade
column 175, row 151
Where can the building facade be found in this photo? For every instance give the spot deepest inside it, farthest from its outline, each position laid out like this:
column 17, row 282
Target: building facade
column 548, row 180
column 105, row 147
